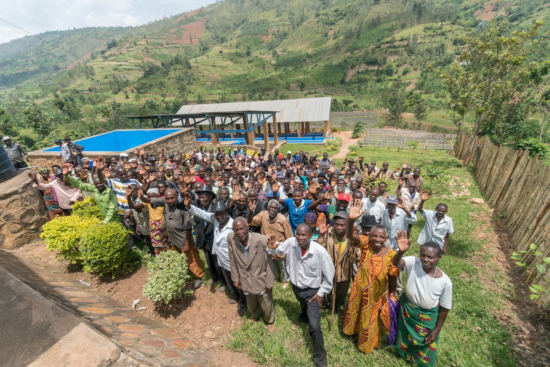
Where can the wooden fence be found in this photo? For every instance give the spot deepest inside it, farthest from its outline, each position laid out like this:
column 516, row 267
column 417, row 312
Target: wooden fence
column 518, row 186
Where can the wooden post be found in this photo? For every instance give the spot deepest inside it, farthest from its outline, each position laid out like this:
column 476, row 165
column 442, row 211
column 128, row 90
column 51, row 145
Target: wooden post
column 327, row 128
column 248, row 136
column 266, row 138
column 287, row 127
column 276, row 129
column 299, row 129
column 214, row 136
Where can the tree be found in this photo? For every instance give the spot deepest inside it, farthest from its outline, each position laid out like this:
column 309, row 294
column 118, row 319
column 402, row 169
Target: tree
column 491, row 81
column 40, row 122
column 302, row 86
column 420, row 110
column 393, row 99
column 7, row 127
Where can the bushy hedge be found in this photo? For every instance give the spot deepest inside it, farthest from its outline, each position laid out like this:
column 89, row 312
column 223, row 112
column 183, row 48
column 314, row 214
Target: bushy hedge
column 87, row 208
column 63, row 234
column 105, row 250
column 168, row 276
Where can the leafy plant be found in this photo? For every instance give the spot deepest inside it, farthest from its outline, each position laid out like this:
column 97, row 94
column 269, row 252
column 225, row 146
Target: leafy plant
column 537, row 290
column 105, row 250
column 168, row 276
column 357, row 129
column 353, row 149
column 63, row 234
column 534, row 146
column 436, row 175
column 87, row 208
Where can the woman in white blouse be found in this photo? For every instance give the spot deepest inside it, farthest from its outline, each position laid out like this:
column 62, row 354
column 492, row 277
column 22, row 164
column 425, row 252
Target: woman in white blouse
column 424, row 305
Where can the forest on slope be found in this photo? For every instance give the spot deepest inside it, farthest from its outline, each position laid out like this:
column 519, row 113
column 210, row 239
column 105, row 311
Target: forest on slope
column 360, row 52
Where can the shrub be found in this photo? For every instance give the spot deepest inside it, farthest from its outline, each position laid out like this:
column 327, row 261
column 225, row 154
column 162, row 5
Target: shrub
column 105, row 250
column 87, row 209
column 168, row 275
column 353, row 149
column 334, row 129
column 535, row 147
column 63, row 234
column 357, row 129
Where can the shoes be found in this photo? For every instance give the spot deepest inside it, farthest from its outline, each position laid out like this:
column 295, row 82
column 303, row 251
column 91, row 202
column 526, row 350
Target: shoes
column 285, row 285
column 303, row 318
column 222, row 288
column 241, row 311
column 210, row 282
column 197, row 283
column 271, row 328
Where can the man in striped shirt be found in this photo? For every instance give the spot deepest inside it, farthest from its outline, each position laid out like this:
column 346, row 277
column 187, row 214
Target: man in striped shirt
column 118, row 185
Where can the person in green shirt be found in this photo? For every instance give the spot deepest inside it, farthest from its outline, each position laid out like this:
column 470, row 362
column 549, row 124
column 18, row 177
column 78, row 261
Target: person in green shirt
column 104, row 197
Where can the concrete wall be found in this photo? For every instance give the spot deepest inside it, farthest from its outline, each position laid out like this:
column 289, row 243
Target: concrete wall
column 183, row 141
column 22, row 212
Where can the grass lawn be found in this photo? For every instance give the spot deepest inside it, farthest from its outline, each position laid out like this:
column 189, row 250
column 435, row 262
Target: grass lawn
column 471, row 336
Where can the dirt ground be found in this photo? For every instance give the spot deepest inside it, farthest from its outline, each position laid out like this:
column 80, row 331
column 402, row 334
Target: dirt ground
column 530, row 323
column 346, row 142
column 206, row 318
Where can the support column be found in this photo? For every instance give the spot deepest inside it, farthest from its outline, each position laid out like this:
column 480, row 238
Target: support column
column 266, row 138
column 214, row 136
column 287, row 127
column 299, row 127
column 268, row 127
column 248, row 136
column 276, row 129
column 327, row 128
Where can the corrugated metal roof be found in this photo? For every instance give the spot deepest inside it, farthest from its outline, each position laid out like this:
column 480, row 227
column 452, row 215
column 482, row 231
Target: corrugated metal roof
column 290, row 110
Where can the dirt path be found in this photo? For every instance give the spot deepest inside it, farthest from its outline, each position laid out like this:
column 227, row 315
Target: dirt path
column 529, row 322
column 346, row 142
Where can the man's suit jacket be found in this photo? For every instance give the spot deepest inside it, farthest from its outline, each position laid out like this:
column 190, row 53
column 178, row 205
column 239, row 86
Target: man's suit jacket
column 204, row 230
column 256, row 273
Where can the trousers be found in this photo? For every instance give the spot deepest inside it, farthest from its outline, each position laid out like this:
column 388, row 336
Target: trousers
column 213, row 267
column 313, row 312
column 262, row 305
column 193, row 260
column 238, row 294
column 341, row 293
column 279, row 270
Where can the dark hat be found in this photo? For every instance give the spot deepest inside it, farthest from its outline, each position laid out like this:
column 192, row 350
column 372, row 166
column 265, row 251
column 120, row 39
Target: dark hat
column 206, row 190
column 58, row 141
column 219, row 206
column 368, row 221
column 392, row 200
column 342, row 215
column 58, row 172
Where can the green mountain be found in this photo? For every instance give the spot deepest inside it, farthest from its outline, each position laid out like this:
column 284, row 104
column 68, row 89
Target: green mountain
column 247, row 50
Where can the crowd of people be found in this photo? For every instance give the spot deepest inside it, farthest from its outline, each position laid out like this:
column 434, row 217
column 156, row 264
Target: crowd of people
column 329, row 230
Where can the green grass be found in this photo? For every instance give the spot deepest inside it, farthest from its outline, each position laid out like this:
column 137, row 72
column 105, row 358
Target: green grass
column 472, row 336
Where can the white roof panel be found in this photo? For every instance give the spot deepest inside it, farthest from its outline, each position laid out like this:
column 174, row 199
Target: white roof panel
column 290, row 110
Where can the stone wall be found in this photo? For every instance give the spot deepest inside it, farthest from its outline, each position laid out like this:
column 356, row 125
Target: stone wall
column 22, row 212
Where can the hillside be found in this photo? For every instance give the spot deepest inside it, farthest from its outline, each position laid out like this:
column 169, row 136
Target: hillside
column 276, row 49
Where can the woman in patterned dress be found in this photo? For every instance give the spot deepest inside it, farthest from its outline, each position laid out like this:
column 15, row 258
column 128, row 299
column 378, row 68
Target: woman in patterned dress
column 372, row 302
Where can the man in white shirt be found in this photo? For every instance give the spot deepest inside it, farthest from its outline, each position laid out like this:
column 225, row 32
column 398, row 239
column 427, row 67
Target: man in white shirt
column 223, row 226
column 437, row 227
column 311, row 273
column 396, row 217
column 373, row 206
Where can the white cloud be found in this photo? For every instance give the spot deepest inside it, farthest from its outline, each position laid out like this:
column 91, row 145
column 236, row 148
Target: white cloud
column 37, row 16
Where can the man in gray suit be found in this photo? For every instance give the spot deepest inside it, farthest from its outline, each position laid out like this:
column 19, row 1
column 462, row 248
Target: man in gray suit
column 252, row 270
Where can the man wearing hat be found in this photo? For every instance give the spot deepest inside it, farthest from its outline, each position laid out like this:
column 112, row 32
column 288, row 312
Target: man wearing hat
column 396, row 217
column 342, row 255
column 16, row 153
column 223, row 226
column 203, row 231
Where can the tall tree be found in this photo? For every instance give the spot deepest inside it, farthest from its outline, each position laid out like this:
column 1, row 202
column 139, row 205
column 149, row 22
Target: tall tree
column 491, row 80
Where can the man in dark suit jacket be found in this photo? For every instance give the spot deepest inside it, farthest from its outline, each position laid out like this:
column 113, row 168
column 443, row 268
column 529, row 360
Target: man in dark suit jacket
column 204, row 235
column 252, row 270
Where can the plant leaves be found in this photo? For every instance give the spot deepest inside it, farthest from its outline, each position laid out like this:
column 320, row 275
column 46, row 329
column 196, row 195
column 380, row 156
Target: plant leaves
column 541, row 268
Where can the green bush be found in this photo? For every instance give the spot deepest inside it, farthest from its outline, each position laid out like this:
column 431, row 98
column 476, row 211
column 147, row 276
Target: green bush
column 353, row 149
column 357, row 130
column 534, row 146
column 87, row 208
column 105, row 250
column 63, row 234
column 168, row 276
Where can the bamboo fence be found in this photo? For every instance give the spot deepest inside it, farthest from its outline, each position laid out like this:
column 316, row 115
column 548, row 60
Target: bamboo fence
column 518, row 186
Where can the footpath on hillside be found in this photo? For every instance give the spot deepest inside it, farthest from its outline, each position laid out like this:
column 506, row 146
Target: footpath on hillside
column 347, row 140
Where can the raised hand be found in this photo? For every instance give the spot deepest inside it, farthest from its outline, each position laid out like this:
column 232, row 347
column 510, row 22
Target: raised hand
column 142, row 151
column 401, row 181
column 402, row 241
column 65, row 170
column 251, row 204
column 361, row 159
column 405, row 165
column 32, row 176
column 346, row 179
column 274, row 187
column 323, row 228
column 333, row 182
column 425, row 195
column 100, row 164
column 249, row 184
column 83, row 174
column 107, row 173
column 355, row 211
column 152, row 177
column 236, row 192
column 128, row 192
column 271, row 243
column 312, row 187
column 187, row 199
column 220, row 183
column 187, row 178
column 140, row 193
column 136, row 151
column 127, row 166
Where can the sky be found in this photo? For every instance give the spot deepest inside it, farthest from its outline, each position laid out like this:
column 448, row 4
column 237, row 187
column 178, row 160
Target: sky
column 37, row 16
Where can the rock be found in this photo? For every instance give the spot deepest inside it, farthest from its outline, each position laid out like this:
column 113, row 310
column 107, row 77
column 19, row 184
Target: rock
column 477, row 201
column 208, row 334
column 444, row 197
